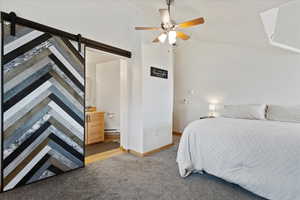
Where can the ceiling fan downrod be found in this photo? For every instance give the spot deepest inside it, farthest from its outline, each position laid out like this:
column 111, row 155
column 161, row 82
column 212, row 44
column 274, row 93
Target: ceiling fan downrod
column 169, row 3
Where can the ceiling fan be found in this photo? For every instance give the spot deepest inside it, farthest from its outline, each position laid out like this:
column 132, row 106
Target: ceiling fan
column 169, row 28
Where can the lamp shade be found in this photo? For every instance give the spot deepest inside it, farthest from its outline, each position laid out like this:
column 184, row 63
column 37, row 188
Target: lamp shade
column 212, row 107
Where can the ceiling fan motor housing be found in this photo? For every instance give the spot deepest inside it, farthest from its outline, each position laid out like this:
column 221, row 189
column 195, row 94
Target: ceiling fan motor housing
column 168, row 26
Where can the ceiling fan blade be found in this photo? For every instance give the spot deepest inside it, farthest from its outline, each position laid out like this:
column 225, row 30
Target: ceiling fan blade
column 182, row 35
column 191, row 23
column 165, row 16
column 147, row 28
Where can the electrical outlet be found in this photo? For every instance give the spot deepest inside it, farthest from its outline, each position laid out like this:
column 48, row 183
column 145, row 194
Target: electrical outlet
column 187, row 101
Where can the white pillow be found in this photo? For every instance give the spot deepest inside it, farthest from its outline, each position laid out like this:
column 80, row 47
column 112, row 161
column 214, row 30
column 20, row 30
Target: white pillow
column 251, row 111
column 283, row 113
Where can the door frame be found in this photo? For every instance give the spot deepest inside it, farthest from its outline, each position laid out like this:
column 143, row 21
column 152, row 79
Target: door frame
column 124, row 96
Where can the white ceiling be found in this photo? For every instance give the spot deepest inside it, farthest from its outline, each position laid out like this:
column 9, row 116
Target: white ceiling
column 192, row 8
column 227, row 21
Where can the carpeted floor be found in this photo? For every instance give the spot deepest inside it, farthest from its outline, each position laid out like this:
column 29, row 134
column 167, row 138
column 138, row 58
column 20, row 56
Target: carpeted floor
column 127, row 177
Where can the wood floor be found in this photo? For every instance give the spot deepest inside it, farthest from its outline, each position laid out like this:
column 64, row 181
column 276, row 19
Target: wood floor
column 103, row 150
column 101, row 147
column 103, row 156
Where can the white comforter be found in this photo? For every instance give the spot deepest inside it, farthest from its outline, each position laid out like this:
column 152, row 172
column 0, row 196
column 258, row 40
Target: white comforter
column 261, row 156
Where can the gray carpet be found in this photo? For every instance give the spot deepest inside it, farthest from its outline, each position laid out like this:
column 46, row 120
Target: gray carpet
column 129, row 178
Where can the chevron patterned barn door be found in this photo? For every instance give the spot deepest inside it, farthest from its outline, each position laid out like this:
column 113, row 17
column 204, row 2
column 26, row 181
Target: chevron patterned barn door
column 42, row 106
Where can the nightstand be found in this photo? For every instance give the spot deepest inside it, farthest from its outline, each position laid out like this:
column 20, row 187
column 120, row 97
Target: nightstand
column 207, row 117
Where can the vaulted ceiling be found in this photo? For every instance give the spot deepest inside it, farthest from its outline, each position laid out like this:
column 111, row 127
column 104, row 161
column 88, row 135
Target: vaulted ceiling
column 227, row 21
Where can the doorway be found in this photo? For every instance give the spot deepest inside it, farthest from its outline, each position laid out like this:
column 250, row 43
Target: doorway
column 104, row 97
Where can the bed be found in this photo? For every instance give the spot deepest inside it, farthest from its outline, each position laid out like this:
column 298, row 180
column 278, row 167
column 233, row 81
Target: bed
column 259, row 155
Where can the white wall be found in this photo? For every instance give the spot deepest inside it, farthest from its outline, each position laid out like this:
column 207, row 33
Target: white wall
column 108, row 92
column 232, row 74
column 157, row 97
column 94, row 57
column 90, row 91
column 229, row 59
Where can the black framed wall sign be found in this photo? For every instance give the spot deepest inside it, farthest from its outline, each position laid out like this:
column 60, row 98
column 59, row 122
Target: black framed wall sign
column 159, row 73
column 43, row 104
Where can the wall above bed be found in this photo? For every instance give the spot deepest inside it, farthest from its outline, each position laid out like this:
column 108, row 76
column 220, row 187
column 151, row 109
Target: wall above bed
column 232, row 62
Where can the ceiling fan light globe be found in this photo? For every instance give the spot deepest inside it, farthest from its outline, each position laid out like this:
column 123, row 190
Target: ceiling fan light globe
column 172, row 37
column 162, row 38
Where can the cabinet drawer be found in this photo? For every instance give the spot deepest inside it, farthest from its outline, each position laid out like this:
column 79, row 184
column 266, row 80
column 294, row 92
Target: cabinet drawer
column 95, row 127
column 96, row 116
column 95, row 138
column 96, row 123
